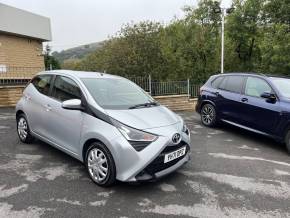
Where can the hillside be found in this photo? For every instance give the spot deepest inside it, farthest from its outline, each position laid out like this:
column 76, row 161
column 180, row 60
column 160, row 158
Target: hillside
column 77, row 52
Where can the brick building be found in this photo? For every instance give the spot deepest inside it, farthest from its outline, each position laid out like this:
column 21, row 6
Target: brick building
column 21, row 36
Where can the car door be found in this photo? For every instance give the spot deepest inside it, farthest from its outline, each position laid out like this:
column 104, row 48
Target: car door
column 257, row 112
column 63, row 126
column 228, row 98
column 36, row 95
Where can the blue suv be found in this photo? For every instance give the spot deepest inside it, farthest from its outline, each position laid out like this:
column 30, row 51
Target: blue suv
column 254, row 102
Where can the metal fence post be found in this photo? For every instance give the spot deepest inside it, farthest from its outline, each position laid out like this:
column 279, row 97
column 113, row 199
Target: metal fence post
column 150, row 84
column 188, row 89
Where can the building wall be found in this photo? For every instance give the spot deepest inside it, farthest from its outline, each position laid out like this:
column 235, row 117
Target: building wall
column 21, row 56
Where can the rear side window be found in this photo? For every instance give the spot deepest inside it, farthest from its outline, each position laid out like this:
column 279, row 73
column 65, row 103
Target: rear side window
column 216, row 82
column 42, row 83
column 65, row 88
column 232, row 84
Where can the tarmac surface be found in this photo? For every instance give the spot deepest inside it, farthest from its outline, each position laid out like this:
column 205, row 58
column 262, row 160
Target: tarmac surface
column 232, row 173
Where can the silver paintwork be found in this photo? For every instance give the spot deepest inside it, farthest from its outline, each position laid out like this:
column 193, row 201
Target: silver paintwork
column 69, row 130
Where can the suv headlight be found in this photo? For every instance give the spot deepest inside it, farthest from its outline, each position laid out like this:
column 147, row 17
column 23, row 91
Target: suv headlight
column 137, row 138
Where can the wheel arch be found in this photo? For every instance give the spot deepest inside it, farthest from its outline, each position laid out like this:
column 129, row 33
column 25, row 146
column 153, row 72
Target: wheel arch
column 207, row 102
column 18, row 113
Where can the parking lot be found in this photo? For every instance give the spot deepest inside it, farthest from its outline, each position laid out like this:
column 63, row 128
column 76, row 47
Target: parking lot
column 232, row 173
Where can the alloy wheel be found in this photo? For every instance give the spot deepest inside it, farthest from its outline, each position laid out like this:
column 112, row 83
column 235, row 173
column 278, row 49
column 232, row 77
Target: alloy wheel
column 97, row 165
column 22, row 128
column 208, row 114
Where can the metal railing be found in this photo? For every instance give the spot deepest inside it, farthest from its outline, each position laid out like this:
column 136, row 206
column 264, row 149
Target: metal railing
column 22, row 75
column 14, row 75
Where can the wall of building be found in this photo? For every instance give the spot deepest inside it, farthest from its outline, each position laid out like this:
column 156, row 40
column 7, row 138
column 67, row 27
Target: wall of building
column 22, row 56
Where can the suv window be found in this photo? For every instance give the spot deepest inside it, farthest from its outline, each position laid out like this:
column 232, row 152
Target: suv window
column 232, row 84
column 42, row 83
column 256, row 87
column 65, row 88
column 215, row 83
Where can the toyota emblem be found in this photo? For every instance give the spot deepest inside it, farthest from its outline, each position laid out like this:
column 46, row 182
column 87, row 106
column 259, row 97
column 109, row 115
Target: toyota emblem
column 176, row 138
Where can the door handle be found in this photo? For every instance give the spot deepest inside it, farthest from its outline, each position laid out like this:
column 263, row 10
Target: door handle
column 244, row 100
column 48, row 107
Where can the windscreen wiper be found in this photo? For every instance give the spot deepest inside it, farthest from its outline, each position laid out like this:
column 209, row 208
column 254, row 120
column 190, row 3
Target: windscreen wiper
column 148, row 104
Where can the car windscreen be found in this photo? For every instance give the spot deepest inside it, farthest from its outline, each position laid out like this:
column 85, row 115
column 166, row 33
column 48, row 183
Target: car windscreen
column 116, row 93
column 283, row 86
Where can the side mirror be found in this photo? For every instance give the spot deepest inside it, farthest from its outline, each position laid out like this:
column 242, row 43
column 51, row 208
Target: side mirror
column 72, row 104
column 270, row 97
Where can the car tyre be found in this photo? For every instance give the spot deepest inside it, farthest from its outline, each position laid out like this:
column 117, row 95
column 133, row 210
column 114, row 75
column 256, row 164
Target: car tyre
column 23, row 129
column 208, row 115
column 287, row 141
column 100, row 165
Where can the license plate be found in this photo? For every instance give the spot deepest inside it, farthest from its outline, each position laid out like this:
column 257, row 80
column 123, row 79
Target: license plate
column 174, row 155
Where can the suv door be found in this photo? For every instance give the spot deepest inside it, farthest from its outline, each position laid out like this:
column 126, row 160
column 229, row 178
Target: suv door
column 36, row 94
column 63, row 126
column 228, row 97
column 257, row 112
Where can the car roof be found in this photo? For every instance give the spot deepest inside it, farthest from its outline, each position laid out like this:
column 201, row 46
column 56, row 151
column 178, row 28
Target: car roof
column 253, row 74
column 80, row 74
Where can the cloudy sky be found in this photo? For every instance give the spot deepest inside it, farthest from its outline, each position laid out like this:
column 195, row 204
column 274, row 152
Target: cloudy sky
column 78, row 22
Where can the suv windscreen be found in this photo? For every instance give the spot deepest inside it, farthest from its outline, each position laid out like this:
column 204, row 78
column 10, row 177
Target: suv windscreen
column 111, row 93
column 65, row 88
column 232, row 84
column 283, row 86
column 42, row 83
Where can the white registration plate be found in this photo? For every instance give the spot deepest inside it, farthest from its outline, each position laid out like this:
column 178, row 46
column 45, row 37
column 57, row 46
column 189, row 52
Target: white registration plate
column 174, row 155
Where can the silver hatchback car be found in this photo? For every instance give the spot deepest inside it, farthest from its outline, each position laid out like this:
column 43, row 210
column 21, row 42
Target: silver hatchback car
column 105, row 121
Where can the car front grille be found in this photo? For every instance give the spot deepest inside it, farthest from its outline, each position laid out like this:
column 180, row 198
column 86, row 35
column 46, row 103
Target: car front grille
column 158, row 164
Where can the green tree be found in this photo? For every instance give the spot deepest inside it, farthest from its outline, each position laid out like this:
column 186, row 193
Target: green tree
column 50, row 62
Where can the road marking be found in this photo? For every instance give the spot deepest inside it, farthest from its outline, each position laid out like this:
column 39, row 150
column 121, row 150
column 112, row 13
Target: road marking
column 274, row 188
column 4, row 193
column 245, row 147
column 234, row 157
column 167, row 187
column 98, row 203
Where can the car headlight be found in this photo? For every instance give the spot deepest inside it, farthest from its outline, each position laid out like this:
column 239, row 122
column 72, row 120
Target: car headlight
column 137, row 138
column 185, row 129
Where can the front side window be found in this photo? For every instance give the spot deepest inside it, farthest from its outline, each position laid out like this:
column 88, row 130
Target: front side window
column 232, row 84
column 65, row 88
column 283, row 86
column 115, row 93
column 256, row 87
column 42, row 83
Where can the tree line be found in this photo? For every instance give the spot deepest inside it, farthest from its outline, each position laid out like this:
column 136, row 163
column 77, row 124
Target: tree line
column 257, row 39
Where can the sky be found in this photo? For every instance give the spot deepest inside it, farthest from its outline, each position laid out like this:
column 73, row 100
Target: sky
column 79, row 22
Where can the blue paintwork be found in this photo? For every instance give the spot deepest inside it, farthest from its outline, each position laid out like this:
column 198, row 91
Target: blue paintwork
column 254, row 114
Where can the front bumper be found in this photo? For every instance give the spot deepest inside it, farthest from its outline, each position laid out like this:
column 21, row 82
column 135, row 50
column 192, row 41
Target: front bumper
column 157, row 168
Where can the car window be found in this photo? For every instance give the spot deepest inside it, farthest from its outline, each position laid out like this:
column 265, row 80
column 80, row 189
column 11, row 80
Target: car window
column 256, row 87
column 65, row 88
column 216, row 82
column 42, row 83
column 232, row 84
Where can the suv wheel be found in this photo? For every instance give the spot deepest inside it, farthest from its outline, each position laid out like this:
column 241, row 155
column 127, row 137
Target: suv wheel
column 100, row 165
column 208, row 115
column 23, row 129
column 287, row 141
